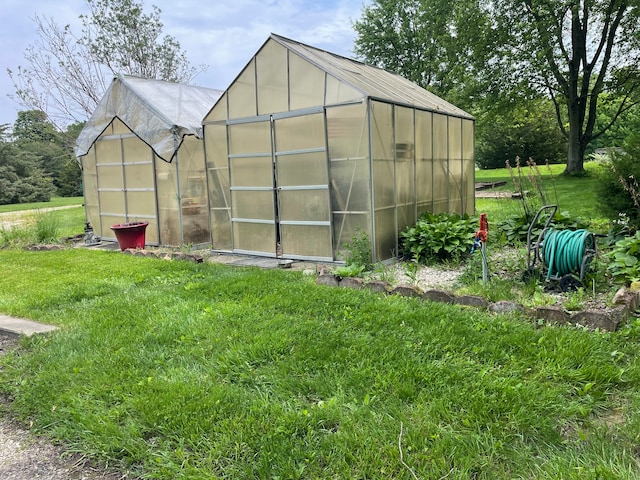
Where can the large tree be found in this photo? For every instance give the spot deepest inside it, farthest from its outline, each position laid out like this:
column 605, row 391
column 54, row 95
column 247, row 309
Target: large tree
column 573, row 51
column 67, row 74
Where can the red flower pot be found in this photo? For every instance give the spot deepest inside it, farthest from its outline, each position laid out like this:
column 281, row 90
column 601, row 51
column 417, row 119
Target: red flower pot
column 130, row 235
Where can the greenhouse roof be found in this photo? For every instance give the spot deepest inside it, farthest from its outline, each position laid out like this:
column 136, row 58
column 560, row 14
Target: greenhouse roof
column 372, row 81
column 160, row 113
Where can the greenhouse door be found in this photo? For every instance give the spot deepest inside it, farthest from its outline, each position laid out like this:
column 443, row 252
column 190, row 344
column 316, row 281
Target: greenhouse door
column 302, row 186
column 279, row 187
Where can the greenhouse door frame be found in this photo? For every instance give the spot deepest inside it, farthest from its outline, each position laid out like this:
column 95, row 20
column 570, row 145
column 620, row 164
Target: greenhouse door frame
column 278, row 247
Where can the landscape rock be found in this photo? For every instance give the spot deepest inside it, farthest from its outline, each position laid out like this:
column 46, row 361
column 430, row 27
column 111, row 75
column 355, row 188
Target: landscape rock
column 504, row 306
column 602, row 320
column 378, row 286
column 406, row 291
column 351, row 282
column 328, row 280
column 471, row 301
column 438, row 296
column 552, row 315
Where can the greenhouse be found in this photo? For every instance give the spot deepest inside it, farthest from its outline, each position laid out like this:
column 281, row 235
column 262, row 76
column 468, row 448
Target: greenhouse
column 307, row 149
column 142, row 160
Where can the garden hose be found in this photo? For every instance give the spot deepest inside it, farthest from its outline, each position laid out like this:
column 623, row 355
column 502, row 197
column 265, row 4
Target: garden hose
column 564, row 251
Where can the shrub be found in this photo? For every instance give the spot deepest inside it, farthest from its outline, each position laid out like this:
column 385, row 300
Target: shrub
column 437, row 238
column 617, row 189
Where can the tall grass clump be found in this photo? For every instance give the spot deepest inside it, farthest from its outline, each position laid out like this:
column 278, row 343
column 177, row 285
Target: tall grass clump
column 46, row 227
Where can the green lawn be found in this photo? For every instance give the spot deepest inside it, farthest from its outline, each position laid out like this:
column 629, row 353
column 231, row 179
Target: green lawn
column 574, row 195
column 174, row 370
column 55, row 202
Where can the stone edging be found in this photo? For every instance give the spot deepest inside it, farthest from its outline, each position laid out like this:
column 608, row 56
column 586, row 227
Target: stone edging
column 624, row 302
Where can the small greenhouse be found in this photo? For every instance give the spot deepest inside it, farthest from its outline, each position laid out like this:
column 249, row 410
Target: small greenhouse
column 307, row 148
column 142, row 160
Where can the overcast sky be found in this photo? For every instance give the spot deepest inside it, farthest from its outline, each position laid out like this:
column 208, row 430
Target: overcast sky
column 221, row 34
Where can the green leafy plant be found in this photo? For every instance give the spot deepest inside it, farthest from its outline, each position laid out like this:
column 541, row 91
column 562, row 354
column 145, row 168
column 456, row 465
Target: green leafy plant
column 46, row 227
column 624, row 259
column 359, row 250
column 351, row 270
column 438, row 238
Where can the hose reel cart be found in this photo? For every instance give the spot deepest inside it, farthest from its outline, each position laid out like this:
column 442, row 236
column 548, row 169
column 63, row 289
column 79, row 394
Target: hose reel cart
column 561, row 253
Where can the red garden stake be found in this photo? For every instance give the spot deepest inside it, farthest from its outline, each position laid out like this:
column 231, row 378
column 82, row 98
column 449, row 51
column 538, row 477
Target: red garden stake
column 480, row 240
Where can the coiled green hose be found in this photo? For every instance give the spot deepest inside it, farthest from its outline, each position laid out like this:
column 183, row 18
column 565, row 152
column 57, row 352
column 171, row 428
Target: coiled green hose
column 563, row 251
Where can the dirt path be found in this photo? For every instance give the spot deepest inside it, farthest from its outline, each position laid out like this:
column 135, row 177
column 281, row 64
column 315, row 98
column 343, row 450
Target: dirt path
column 24, row 456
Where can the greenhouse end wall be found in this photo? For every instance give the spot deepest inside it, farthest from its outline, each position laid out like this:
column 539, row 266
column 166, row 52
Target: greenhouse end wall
column 421, row 162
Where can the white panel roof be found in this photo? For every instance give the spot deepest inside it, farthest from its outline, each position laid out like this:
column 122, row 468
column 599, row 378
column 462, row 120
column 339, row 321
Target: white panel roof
column 160, row 113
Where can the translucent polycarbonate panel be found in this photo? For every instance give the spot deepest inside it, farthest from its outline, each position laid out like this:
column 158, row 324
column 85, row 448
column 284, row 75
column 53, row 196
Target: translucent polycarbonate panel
column 385, row 220
column 298, row 133
column 468, row 182
column 168, row 203
column 257, row 204
column 252, row 172
column 350, row 187
column 405, row 167
column 219, row 194
column 383, row 180
column 304, row 205
column 345, row 227
column 306, row 83
column 455, row 138
column 254, row 237
column 151, row 233
column 242, row 93
column 271, row 72
column 440, row 186
column 140, row 204
column 110, row 176
column 348, row 132
column 108, row 151
column 424, row 162
column 247, row 138
column 350, row 174
column 112, row 202
column 139, row 175
column 440, row 137
column 455, row 186
column 302, row 169
column 468, row 145
column 339, row 92
column 90, row 188
column 135, row 150
column 106, row 222
column 219, row 111
column 119, row 128
column 193, row 192
column 306, row 240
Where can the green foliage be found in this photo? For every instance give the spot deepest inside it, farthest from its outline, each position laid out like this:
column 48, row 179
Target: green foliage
column 438, row 238
column 177, row 370
column 624, row 259
column 617, row 189
column 528, row 131
column 513, row 228
column 350, row 270
column 358, row 251
column 46, row 227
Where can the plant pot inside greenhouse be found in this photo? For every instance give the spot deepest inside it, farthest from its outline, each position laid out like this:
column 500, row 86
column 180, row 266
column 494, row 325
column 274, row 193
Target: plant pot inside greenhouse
column 130, row 235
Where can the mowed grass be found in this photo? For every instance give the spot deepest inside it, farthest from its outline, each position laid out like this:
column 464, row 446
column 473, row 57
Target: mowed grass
column 55, row 202
column 173, row 370
column 574, row 195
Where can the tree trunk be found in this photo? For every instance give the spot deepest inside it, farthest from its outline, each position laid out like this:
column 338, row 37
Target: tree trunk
column 575, row 155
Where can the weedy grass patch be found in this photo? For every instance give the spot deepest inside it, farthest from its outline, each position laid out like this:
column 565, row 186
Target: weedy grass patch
column 176, row 370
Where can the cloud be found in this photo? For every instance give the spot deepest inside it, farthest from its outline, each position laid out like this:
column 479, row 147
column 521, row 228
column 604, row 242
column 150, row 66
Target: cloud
column 223, row 35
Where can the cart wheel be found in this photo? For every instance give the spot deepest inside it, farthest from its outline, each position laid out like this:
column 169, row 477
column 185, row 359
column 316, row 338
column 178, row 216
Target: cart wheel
column 569, row 283
column 531, row 273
